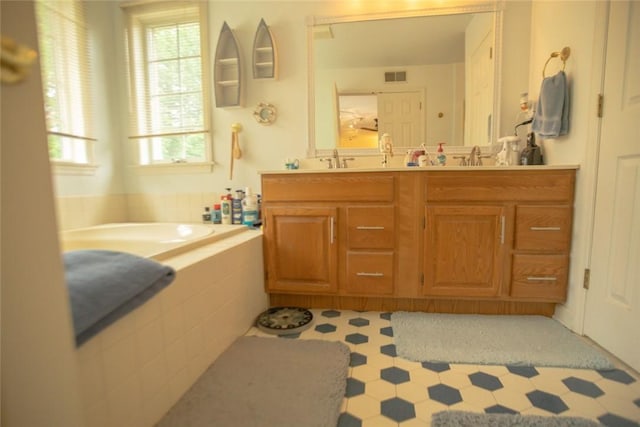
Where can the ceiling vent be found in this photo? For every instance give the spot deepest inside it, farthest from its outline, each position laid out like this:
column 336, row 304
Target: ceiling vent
column 395, row 76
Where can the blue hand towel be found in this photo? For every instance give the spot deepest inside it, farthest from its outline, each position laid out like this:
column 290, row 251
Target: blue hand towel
column 552, row 114
column 106, row 285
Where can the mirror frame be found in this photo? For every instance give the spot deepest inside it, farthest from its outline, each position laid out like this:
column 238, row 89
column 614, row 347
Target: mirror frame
column 495, row 7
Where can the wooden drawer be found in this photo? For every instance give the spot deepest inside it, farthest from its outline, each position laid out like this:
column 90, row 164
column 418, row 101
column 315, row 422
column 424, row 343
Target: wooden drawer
column 540, row 276
column 328, row 187
column 544, row 228
column 370, row 273
column 507, row 186
column 370, row 227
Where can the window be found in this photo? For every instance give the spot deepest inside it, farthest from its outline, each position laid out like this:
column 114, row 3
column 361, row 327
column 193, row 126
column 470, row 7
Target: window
column 169, row 82
column 66, row 73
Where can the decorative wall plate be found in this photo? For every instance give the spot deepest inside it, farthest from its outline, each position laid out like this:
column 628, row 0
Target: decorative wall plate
column 265, row 114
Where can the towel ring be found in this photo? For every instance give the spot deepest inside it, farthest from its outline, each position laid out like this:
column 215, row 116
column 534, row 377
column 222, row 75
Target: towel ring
column 563, row 54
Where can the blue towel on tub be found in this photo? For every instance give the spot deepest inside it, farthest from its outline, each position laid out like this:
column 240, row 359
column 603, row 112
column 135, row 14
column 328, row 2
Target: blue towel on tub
column 551, row 118
column 106, row 285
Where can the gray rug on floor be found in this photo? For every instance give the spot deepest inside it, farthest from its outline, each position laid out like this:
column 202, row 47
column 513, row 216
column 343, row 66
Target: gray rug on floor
column 471, row 419
column 267, row 382
column 492, row 340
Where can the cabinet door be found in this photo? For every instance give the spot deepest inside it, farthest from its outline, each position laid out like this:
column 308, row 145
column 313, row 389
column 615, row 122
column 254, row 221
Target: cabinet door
column 463, row 250
column 301, row 249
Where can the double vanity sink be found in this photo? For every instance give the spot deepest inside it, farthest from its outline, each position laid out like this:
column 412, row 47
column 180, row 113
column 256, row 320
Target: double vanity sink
column 481, row 239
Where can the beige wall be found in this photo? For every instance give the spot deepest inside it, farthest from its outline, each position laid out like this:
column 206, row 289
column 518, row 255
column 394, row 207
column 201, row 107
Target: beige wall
column 39, row 368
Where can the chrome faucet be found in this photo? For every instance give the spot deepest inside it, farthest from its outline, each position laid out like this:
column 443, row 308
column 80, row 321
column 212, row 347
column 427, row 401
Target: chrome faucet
column 335, row 162
column 475, row 158
column 336, row 159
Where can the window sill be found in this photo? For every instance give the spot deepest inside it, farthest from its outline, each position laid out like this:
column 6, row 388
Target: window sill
column 69, row 168
column 174, row 168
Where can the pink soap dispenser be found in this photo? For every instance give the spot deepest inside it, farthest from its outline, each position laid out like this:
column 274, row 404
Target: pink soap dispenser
column 441, row 157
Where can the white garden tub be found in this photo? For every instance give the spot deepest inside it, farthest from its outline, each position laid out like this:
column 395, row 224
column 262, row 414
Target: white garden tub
column 136, row 369
column 150, row 240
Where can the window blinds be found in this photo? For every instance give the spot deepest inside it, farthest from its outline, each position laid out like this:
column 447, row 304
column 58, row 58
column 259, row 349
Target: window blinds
column 66, row 69
column 168, row 69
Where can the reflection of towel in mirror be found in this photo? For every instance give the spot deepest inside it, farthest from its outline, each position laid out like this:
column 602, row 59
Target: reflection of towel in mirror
column 552, row 113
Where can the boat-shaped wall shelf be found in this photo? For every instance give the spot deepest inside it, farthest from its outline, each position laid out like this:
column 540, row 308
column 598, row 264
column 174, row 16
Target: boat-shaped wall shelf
column 227, row 73
column 265, row 57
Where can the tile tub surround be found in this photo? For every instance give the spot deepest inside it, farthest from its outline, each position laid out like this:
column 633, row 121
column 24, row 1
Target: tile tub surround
column 386, row 390
column 88, row 210
column 136, row 369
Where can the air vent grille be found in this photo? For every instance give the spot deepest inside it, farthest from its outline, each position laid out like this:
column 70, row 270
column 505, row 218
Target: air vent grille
column 395, row 76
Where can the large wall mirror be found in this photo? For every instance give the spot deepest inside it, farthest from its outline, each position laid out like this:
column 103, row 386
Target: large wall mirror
column 423, row 77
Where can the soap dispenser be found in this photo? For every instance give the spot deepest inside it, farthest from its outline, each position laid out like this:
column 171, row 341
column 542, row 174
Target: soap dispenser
column 441, row 157
column 531, row 154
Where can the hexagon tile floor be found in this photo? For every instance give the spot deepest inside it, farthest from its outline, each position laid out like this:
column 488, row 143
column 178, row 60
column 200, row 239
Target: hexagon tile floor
column 386, row 390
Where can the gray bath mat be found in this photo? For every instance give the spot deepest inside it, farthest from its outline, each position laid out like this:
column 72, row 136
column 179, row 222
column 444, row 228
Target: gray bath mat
column 267, row 382
column 472, row 419
column 492, row 340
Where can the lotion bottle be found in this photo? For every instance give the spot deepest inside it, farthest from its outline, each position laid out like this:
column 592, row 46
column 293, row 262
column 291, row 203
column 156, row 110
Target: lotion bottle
column 249, row 208
column 225, row 208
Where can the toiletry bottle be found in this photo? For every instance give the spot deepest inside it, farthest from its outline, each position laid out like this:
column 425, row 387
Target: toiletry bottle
column 236, row 207
column 225, row 209
column 206, row 215
column 249, row 208
column 259, row 207
column 216, row 218
column 441, row 157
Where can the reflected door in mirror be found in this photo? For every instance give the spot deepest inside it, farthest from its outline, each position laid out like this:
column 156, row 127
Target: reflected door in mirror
column 400, row 115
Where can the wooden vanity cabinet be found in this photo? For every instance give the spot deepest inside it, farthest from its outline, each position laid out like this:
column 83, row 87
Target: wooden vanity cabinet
column 463, row 240
column 503, row 234
column 330, row 233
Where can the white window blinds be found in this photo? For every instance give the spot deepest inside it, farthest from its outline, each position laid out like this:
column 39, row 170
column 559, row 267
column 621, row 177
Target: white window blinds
column 169, row 81
column 66, row 73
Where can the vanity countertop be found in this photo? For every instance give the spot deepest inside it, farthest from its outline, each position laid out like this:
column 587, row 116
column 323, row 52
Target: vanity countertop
column 421, row 169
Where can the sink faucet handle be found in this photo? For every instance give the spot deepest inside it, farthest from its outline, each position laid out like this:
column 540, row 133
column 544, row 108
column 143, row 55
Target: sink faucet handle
column 344, row 161
column 463, row 160
column 485, row 156
column 329, row 161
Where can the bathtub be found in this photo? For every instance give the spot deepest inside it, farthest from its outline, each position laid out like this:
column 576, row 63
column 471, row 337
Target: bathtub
column 151, row 240
column 135, row 370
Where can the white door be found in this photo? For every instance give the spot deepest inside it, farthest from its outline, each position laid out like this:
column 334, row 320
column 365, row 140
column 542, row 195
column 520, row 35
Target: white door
column 400, row 115
column 612, row 313
column 480, row 103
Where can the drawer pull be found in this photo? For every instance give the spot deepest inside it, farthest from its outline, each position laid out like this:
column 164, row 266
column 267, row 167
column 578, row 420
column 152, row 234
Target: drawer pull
column 544, row 228
column 362, row 273
column 542, row 278
column 369, row 227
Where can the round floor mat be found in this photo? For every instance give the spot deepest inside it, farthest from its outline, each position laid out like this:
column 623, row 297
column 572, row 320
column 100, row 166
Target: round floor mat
column 284, row 320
